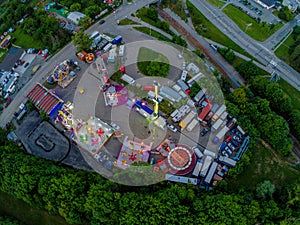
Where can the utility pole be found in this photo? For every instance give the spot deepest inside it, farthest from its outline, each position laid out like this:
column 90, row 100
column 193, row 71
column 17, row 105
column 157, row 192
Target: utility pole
column 248, row 25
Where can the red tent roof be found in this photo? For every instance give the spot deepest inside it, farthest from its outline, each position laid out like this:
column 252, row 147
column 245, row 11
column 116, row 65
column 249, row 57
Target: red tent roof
column 43, row 99
column 205, row 111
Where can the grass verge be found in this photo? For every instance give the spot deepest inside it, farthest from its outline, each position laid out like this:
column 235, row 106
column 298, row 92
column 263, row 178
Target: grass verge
column 282, row 51
column 2, row 54
column 127, row 21
column 266, row 165
column 152, row 33
column 258, row 31
column 205, row 28
column 217, row 3
column 177, row 8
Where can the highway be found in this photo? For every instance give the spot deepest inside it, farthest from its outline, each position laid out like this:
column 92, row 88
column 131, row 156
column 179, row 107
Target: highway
column 253, row 47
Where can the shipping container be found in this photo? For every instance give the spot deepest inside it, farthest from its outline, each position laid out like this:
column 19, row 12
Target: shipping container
column 183, row 123
column 216, row 125
column 206, row 164
column 192, row 125
column 197, row 168
column 211, row 173
column 219, row 113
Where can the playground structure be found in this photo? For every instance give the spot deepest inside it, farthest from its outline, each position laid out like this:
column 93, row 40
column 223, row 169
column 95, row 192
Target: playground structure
column 64, row 73
column 132, row 152
column 87, row 57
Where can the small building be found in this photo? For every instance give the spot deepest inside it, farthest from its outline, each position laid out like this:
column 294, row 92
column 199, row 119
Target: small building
column 5, row 42
column 268, row 4
column 170, row 94
column 74, row 17
column 291, row 4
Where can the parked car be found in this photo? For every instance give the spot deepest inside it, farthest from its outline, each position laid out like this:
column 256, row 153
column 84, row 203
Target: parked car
column 228, row 150
column 26, row 64
column 237, row 138
column 204, row 132
column 224, row 153
column 228, row 139
column 101, row 22
column 230, row 145
column 172, row 128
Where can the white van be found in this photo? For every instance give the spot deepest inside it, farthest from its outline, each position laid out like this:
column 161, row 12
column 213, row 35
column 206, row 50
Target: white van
column 183, row 75
column 197, row 152
column 128, row 79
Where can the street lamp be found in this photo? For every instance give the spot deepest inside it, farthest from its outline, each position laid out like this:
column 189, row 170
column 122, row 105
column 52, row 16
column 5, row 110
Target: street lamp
column 248, row 25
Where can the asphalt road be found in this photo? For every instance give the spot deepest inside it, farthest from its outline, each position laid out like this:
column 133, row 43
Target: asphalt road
column 254, row 48
column 67, row 52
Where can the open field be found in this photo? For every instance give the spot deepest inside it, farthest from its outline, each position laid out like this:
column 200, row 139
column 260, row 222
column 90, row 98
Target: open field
column 217, row 3
column 2, row 54
column 24, row 40
column 205, row 28
column 265, row 164
column 258, row 31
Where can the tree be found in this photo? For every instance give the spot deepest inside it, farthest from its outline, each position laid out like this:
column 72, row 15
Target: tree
column 82, row 41
column 152, row 13
column 286, row 14
column 239, row 96
column 194, row 89
column 85, row 22
column 92, row 11
column 248, row 69
column 75, row 7
column 295, row 123
column 265, row 189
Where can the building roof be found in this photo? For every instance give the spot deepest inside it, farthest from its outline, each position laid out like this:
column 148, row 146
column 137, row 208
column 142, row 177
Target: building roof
column 269, row 3
column 11, row 58
column 44, row 100
column 75, row 16
column 168, row 92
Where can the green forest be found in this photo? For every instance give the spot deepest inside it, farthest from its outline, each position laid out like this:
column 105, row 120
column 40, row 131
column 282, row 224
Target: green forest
column 83, row 197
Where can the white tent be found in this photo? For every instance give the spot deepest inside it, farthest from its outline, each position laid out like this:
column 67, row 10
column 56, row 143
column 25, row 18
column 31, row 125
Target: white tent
column 74, row 17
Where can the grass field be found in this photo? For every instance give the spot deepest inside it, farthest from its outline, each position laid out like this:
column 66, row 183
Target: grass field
column 177, row 8
column 292, row 92
column 25, row 213
column 256, row 30
column 205, row 28
column 282, row 50
column 217, row 3
column 25, row 41
column 265, row 165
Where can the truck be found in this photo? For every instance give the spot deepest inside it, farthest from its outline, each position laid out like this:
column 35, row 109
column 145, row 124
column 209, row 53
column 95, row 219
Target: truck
column 220, row 134
column 216, row 125
column 218, row 113
column 117, row 40
column 197, row 168
column 204, row 112
column 107, row 47
column 81, row 55
column 227, row 161
column 183, row 123
column 206, row 164
column 211, row 173
column 181, row 179
column 192, row 125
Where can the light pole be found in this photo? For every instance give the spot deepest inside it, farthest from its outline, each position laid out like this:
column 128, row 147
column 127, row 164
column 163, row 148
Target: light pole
column 248, row 25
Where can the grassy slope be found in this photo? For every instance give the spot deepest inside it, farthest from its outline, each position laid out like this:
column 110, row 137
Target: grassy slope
column 212, row 32
column 282, row 51
column 256, row 31
column 292, row 92
column 266, row 165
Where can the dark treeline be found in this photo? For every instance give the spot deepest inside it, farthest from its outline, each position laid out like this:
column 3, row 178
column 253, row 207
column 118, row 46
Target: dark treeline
column 81, row 196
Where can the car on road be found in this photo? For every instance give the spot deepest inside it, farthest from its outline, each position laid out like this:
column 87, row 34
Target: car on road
column 204, row 132
column 101, row 22
column 172, row 128
column 26, row 64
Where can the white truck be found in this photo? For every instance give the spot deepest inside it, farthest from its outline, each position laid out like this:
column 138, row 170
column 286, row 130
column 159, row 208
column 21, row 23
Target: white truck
column 216, row 125
column 219, row 113
column 128, row 79
column 220, row 134
column 207, row 161
column 183, row 123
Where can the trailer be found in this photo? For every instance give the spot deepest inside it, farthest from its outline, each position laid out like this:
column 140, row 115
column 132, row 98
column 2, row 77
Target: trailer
column 192, row 125
column 128, row 79
column 211, row 173
column 121, row 50
column 181, row 179
column 224, row 116
column 210, row 153
column 107, row 47
column 219, row 113
column 227, row 161
column 194, row 78
column 207, row 161
column 204, row 112
column 183, row 123
column 183, row 86
column 220, row 135
column 241, row 130
column 200, row 95
column 197, row 168
column 216, row 125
